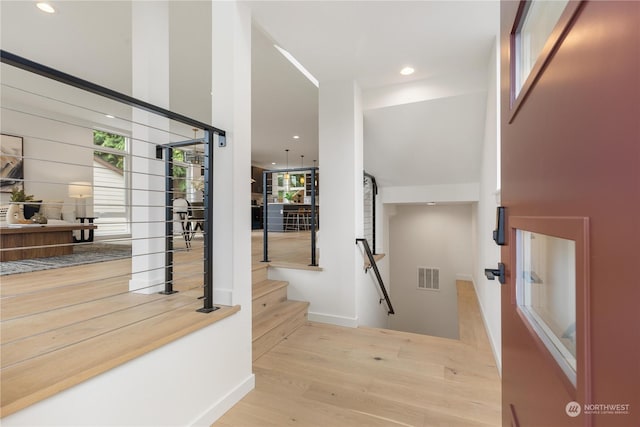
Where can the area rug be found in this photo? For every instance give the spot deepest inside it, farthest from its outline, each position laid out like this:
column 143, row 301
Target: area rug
column 82, row 254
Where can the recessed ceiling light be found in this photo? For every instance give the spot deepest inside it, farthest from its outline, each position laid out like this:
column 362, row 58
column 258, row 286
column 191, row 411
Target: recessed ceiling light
column 296, row 136
column 431, row 203
column 407, row 71
column 274, row 163
column 45, row 7
column 109, row 116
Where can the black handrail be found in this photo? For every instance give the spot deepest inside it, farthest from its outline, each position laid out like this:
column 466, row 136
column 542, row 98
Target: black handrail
column 70, row 80
column 373, row 209
column 374, row 265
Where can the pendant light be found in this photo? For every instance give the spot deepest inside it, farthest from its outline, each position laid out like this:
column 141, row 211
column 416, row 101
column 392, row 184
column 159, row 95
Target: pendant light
column 286, row 174
column 302, row 166
column 314, row 166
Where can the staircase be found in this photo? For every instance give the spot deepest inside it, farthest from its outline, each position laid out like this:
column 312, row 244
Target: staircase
column 274, row 316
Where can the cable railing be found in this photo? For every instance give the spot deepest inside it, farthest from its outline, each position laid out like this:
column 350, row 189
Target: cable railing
column 85, row 240
column 373, row 265
column 290, row 204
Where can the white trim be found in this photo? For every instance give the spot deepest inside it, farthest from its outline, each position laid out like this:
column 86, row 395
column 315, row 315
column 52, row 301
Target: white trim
column 492, row 341
column 219, row 408
column 332, row 319
column 223, row 296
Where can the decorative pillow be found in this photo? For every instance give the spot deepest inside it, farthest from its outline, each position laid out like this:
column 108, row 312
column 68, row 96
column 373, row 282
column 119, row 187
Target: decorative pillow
column 32, row 208
column 52, row 209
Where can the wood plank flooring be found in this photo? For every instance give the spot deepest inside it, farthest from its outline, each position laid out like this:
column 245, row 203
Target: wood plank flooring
column 48, row 317
column 52, row 319
column 326, row 375
column 290, row 250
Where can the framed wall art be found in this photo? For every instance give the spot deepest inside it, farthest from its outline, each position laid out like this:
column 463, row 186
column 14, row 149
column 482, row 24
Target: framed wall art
column 11, row 163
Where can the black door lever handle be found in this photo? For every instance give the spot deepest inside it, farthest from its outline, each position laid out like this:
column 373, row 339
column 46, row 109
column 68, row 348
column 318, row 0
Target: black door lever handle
column 493, row 273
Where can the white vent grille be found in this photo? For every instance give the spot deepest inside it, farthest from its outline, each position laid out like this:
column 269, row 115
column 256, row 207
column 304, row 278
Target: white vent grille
column 428, row 278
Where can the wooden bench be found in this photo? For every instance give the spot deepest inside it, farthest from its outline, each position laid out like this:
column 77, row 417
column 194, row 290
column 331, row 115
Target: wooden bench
column 32, row 241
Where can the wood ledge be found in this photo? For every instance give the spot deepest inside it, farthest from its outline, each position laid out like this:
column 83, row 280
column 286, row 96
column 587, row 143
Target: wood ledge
column 294, row 266
column 36, row 379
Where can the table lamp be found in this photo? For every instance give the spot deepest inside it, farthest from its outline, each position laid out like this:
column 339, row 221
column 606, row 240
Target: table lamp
column 80, row 191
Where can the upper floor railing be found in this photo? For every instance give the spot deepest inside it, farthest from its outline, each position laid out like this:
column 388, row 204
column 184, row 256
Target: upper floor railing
column 290, row 204
column 369, row 204
column 110, row 153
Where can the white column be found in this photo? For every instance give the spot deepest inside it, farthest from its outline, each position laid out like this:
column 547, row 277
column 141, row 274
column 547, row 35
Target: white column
column 340, row 161
column 150, row 82
column 231, row 111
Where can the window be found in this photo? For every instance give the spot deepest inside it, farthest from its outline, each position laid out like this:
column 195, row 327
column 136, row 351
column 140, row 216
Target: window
column 546, row 293
column 540, row 17
column 110, row 184
column 536, row 34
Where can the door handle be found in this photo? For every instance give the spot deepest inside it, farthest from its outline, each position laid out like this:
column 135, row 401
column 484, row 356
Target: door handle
column 499, row 232
column 493, row 273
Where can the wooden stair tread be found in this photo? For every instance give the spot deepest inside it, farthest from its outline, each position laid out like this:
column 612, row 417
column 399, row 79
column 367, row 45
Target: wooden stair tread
column 271, row 319
column 265, row 287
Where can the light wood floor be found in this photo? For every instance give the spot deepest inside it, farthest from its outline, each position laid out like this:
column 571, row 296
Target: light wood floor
column 49, row 317
column 291, row 249
column 52, row 319
column 332, row 376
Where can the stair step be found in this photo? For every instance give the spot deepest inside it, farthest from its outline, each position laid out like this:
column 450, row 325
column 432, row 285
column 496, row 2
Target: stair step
column 260, row 289
column 259, row 272
column 272, row 326
column 268, row 294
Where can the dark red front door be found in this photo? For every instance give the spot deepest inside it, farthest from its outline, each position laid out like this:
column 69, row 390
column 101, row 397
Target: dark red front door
column 571, row 188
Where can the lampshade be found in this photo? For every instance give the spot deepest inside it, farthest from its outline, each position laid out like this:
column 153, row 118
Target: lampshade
column 80, row 190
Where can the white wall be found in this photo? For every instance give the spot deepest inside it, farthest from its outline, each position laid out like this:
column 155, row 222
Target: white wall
column 191, row 381
column 434, row 237
column 53, row 158
column 447, row 193
column 487, row 252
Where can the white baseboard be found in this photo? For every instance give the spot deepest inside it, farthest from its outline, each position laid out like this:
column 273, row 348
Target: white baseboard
column 332, row 319
column 492, row 342
column 219, row 408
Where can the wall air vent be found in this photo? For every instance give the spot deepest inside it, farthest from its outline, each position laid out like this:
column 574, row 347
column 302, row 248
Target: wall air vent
column 428, row 278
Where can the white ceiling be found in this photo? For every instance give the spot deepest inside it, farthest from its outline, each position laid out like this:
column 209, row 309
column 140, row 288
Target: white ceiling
column 284, row 104
column 447, row 42
column 422, row 129
column 370, row 41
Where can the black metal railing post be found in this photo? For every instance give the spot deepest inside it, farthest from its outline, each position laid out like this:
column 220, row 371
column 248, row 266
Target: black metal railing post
column 314, row 263
column 168, row 227
column 374, row 266
column 265, row 218
column 208, row 224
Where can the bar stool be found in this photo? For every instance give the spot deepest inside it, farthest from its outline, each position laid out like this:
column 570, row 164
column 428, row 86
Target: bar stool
column 304, row 216
column 290, row 220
